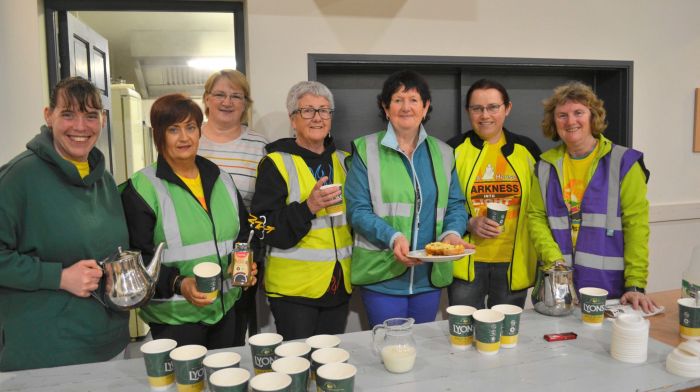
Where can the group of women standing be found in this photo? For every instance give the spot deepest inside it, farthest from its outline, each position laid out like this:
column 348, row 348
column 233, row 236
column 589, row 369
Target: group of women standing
column 582, row 203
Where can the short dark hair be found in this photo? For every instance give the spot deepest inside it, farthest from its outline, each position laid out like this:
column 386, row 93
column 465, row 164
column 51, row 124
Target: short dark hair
column 485, row 84
column 402, row 81
column 76, row 89
column 171, row 109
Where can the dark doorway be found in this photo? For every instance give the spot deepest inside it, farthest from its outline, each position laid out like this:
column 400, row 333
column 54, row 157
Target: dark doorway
column 355, row 81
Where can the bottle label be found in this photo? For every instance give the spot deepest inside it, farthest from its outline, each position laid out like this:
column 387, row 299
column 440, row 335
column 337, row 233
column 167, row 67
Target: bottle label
column 241, row 265
column 687, row 288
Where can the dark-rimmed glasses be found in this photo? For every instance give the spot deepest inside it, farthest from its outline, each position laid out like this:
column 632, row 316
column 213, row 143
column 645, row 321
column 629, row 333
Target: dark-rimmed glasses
column 309, row 113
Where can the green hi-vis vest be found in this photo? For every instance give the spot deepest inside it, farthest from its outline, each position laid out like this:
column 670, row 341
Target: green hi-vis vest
column 306, row 269
column 393, row 199
column 188, row 233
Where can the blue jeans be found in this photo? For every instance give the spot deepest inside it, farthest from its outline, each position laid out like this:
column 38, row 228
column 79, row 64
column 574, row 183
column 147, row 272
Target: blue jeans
column 421, row 307
column 489, row 287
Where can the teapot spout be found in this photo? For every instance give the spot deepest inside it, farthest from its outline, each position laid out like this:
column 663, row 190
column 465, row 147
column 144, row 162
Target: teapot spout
column 153, row 268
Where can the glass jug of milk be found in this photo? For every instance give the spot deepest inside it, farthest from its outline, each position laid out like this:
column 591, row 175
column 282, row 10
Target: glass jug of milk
column 393, row 342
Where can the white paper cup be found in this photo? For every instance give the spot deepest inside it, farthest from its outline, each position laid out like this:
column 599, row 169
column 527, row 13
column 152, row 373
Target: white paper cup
column 323, row 341
column 293, row 349
column 270, row 382
column 229, row 380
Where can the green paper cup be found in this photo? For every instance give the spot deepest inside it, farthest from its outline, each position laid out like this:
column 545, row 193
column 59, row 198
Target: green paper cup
column 593, row 305
column 337, row 208
column 336, row 377
column 689, row 318
column 229, row 380
column 218, row 361
column 511, row 324
column 262, row 348
column 159, row 367
column 461, row 324
column 322, row 341
column 497, row 212
column 207, row 277
column 324, row 356
column 487, row 330
column 271, row 382
column 189, row 371
column 297, row 368
column 293, row 349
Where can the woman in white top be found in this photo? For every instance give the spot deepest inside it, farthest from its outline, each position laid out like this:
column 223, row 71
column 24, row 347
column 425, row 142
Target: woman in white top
column 227, row 141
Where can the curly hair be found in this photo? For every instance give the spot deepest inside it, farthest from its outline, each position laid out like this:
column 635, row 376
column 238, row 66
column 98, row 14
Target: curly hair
column 573, row 92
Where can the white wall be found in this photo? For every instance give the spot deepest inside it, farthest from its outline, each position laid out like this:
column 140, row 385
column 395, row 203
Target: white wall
column 661, row 37
column 23, row 78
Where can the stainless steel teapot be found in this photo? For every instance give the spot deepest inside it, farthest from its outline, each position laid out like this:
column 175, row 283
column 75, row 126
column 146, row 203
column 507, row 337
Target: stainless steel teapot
column 126, row 282
column 554, row 293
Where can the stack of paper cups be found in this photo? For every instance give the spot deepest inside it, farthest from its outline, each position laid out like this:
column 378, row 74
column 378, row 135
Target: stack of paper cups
column 684, row 360
column 630, row 338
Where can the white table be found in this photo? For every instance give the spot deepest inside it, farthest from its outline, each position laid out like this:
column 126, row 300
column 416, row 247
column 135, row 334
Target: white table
column 583, row 364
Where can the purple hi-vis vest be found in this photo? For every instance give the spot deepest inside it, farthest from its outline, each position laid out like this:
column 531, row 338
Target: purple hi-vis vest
column 599, row 257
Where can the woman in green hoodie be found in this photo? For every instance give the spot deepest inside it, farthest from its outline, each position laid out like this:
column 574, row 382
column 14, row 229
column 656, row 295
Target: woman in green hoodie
column 59, row 212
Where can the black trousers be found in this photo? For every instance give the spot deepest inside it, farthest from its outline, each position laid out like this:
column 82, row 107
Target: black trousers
column 246, row 316
column 297, row 321
column 219, row 335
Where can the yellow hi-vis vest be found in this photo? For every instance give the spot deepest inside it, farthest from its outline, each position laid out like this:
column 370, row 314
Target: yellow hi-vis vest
column 306, row 269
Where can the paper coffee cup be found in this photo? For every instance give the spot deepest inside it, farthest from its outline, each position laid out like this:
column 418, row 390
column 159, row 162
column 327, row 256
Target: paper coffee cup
column 689, row 318
column 337, row 208
column 488, row 324
column 497, row 212
column 324, row 356
column 322, row 341
column 229, row 380
column 293, row 349
column 336, row 377
column 159, row 366
column 461, row 324
column 511, row 324
column 207, row 277
column 270, row 382
column 262, row 348
column 297, row 368
column 218, row 361
column 593, row 305
column 189, row 371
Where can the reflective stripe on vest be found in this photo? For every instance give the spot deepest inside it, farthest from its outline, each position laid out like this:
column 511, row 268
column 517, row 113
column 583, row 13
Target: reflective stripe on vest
column 301, row 254
column 175, row 251
column 227, row 286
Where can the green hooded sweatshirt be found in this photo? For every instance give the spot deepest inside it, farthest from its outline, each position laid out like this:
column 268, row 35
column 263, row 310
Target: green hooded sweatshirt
column 50, row 218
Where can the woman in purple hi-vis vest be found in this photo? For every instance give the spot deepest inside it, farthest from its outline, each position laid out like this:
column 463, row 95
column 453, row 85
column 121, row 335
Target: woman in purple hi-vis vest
column 588, row 207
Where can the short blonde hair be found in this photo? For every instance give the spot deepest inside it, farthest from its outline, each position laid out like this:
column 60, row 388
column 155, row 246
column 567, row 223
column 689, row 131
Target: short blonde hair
column 573, row 92
column 237, row 79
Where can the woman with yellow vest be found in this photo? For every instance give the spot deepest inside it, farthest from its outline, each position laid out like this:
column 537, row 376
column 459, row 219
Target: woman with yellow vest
column 402, row 194
column 194, row 207
column 494, row 166
column 307, row 278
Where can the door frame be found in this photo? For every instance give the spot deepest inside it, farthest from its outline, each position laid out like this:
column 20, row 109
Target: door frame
column 236, row 7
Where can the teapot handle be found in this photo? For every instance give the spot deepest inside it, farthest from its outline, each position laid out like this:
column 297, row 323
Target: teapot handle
column 375, row 347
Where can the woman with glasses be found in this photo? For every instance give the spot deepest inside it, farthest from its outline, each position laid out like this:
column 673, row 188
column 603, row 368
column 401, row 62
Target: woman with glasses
column 494, row 165
column 307, row 277
column 589, row 207
column 402, row 194
column 227, row 141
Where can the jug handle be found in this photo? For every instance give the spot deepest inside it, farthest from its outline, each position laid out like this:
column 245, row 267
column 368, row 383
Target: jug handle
column 375, row 348
column 101, row 266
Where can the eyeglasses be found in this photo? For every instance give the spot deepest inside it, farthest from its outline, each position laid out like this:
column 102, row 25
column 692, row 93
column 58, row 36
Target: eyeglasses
column 221, row 96
column 309, row 113
column 491, row 108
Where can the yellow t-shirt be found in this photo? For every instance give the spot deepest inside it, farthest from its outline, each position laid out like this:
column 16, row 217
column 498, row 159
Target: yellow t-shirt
column 83, row 167
column 575, row 182
column 195, row 185
column 496, row 182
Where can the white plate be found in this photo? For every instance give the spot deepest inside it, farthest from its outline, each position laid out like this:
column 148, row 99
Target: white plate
column 420, row 254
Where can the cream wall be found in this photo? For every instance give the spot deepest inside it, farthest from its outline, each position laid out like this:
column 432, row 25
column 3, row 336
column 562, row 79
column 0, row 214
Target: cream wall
column 662, row 38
